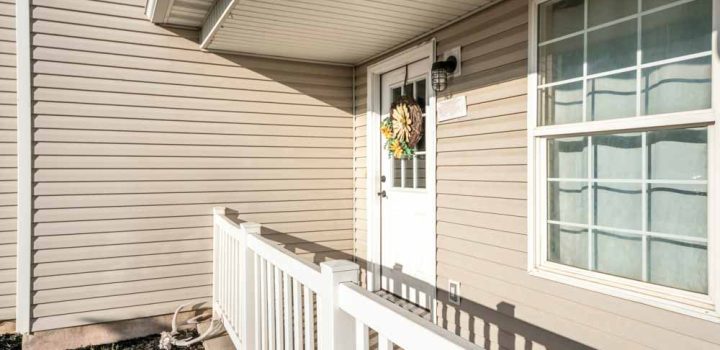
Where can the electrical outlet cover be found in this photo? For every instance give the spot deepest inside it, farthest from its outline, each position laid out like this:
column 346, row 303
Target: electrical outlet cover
column 454, row 292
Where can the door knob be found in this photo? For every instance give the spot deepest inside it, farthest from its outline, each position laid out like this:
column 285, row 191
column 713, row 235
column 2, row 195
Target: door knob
column 382, row 194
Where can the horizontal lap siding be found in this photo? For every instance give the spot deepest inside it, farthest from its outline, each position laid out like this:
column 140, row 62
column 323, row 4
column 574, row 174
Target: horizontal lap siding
column 138, row 134
column 8, row 161
column 482, row 209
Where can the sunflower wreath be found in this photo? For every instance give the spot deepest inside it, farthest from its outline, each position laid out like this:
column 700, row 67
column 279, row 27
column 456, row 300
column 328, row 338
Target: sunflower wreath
column 402, row 128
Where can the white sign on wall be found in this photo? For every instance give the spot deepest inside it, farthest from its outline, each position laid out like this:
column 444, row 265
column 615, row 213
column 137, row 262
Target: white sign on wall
column 451, row 108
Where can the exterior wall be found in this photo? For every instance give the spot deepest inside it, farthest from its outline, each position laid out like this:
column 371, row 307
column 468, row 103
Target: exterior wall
column 138, row 135
column 482, row 225
column 8, row 160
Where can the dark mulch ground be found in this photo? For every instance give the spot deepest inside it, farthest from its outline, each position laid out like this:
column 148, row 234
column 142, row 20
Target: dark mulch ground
column 10, row 341
column 145, row 343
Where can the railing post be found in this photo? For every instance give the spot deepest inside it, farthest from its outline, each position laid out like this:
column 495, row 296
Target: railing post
column 336, row 329
column 247, row 285
column 217, row 211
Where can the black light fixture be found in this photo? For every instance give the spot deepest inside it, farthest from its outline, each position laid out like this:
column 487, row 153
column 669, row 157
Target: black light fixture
column 440, row 71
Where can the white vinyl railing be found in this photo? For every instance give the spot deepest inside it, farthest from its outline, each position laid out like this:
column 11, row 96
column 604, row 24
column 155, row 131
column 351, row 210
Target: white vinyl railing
column 269, row 298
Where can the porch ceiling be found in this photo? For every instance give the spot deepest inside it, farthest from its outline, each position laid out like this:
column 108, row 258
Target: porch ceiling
column 339, row 31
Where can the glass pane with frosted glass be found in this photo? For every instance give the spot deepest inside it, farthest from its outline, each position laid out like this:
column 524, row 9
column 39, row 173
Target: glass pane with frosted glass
column 618, row 254
column 678, row 154
column 678, row 264
column 612, row 47
column 560, row 17
column 617, row 156
column 678, row 209
column 567, row 201
column 420, row 171
column 603, row 11
column 676, row 87
column 568, row 245
column 568, row 158
column 561, row 60
column 617, row 205
column 677, row 31
column 561, row 104
column 612, row 96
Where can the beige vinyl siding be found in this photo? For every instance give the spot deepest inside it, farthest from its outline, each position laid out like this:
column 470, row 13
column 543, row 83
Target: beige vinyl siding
column 482, row 224
column 138, row 135
column 8, row 161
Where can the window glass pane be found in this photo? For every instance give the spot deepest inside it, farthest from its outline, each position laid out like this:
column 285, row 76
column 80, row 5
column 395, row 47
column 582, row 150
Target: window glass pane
column 420, row 171
column 612, row 96
column 567, row 158
column 568, row 245
column 678, row 264
column 396, row 173
column 678, row 209
column 676, row 87
column 618, row 205
column 396, row 93
column 677, row 31
column 567, row 201
column 603, row 11
column 617, row 156
column 420, row 93
column 561, row 104
column 618, row 254
column 560, row 17
column 561, row 60
column 408, row 165
column 612, row 47
column 677, row 154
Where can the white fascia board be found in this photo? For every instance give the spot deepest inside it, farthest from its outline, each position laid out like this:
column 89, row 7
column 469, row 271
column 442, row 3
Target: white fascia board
column 157, row 10
column 214, row 19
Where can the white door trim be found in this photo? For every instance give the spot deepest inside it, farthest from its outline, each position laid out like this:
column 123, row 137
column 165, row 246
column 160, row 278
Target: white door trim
column 374, row 72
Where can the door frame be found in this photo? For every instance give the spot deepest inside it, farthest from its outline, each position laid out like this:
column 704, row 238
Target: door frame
column 373, row 201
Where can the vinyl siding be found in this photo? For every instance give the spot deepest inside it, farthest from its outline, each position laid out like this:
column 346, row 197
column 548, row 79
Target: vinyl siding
column 482, row 224
column 138, row 135
column 8, row 161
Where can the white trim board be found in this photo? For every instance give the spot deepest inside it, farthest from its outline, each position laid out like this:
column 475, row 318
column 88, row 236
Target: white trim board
column 24, row 163
column 373, row 202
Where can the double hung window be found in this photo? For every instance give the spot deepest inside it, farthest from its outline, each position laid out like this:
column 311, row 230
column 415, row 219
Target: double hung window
column 623, row 112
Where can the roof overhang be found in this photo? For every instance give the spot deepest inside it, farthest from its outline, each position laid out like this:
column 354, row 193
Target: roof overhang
column 332, row 31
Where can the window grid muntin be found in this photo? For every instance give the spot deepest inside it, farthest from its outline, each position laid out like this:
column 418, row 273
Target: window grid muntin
column 638, row 67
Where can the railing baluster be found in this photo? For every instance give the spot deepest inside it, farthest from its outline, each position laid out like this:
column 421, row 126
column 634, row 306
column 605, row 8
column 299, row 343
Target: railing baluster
column 384, row 343
column 271, row 306
column 278, row 309
column 361, row 336
column 297, row 314
column 258, row 302
column 263, row 304
column 233, row 281
column 287, row 311
column 309, row 319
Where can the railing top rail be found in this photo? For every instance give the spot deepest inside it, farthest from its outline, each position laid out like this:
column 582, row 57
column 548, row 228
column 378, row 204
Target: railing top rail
column 399, row 325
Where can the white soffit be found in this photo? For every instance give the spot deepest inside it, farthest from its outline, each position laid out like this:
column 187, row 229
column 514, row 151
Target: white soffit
column 339, row 31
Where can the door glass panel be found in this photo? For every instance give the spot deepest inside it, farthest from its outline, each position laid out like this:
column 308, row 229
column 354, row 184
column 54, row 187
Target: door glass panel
column 408, row 173
column 420, row 93
column 420, row 171
column 411, row 172
column 397, row 166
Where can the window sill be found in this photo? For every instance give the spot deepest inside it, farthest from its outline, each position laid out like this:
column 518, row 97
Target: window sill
column 683, row 302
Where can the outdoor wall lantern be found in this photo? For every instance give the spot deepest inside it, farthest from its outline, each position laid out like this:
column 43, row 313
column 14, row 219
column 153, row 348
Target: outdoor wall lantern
column 440, row 71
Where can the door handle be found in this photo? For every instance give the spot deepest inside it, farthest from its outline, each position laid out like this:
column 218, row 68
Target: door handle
column 382, row 194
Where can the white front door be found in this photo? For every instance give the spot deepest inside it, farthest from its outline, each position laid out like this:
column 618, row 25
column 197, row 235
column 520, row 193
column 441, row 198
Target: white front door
column 408, row 228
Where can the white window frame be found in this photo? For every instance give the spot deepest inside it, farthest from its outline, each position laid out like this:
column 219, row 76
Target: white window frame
column 689, row 303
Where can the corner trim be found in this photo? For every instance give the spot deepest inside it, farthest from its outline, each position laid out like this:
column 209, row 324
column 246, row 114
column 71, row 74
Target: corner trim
column 23, row 33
